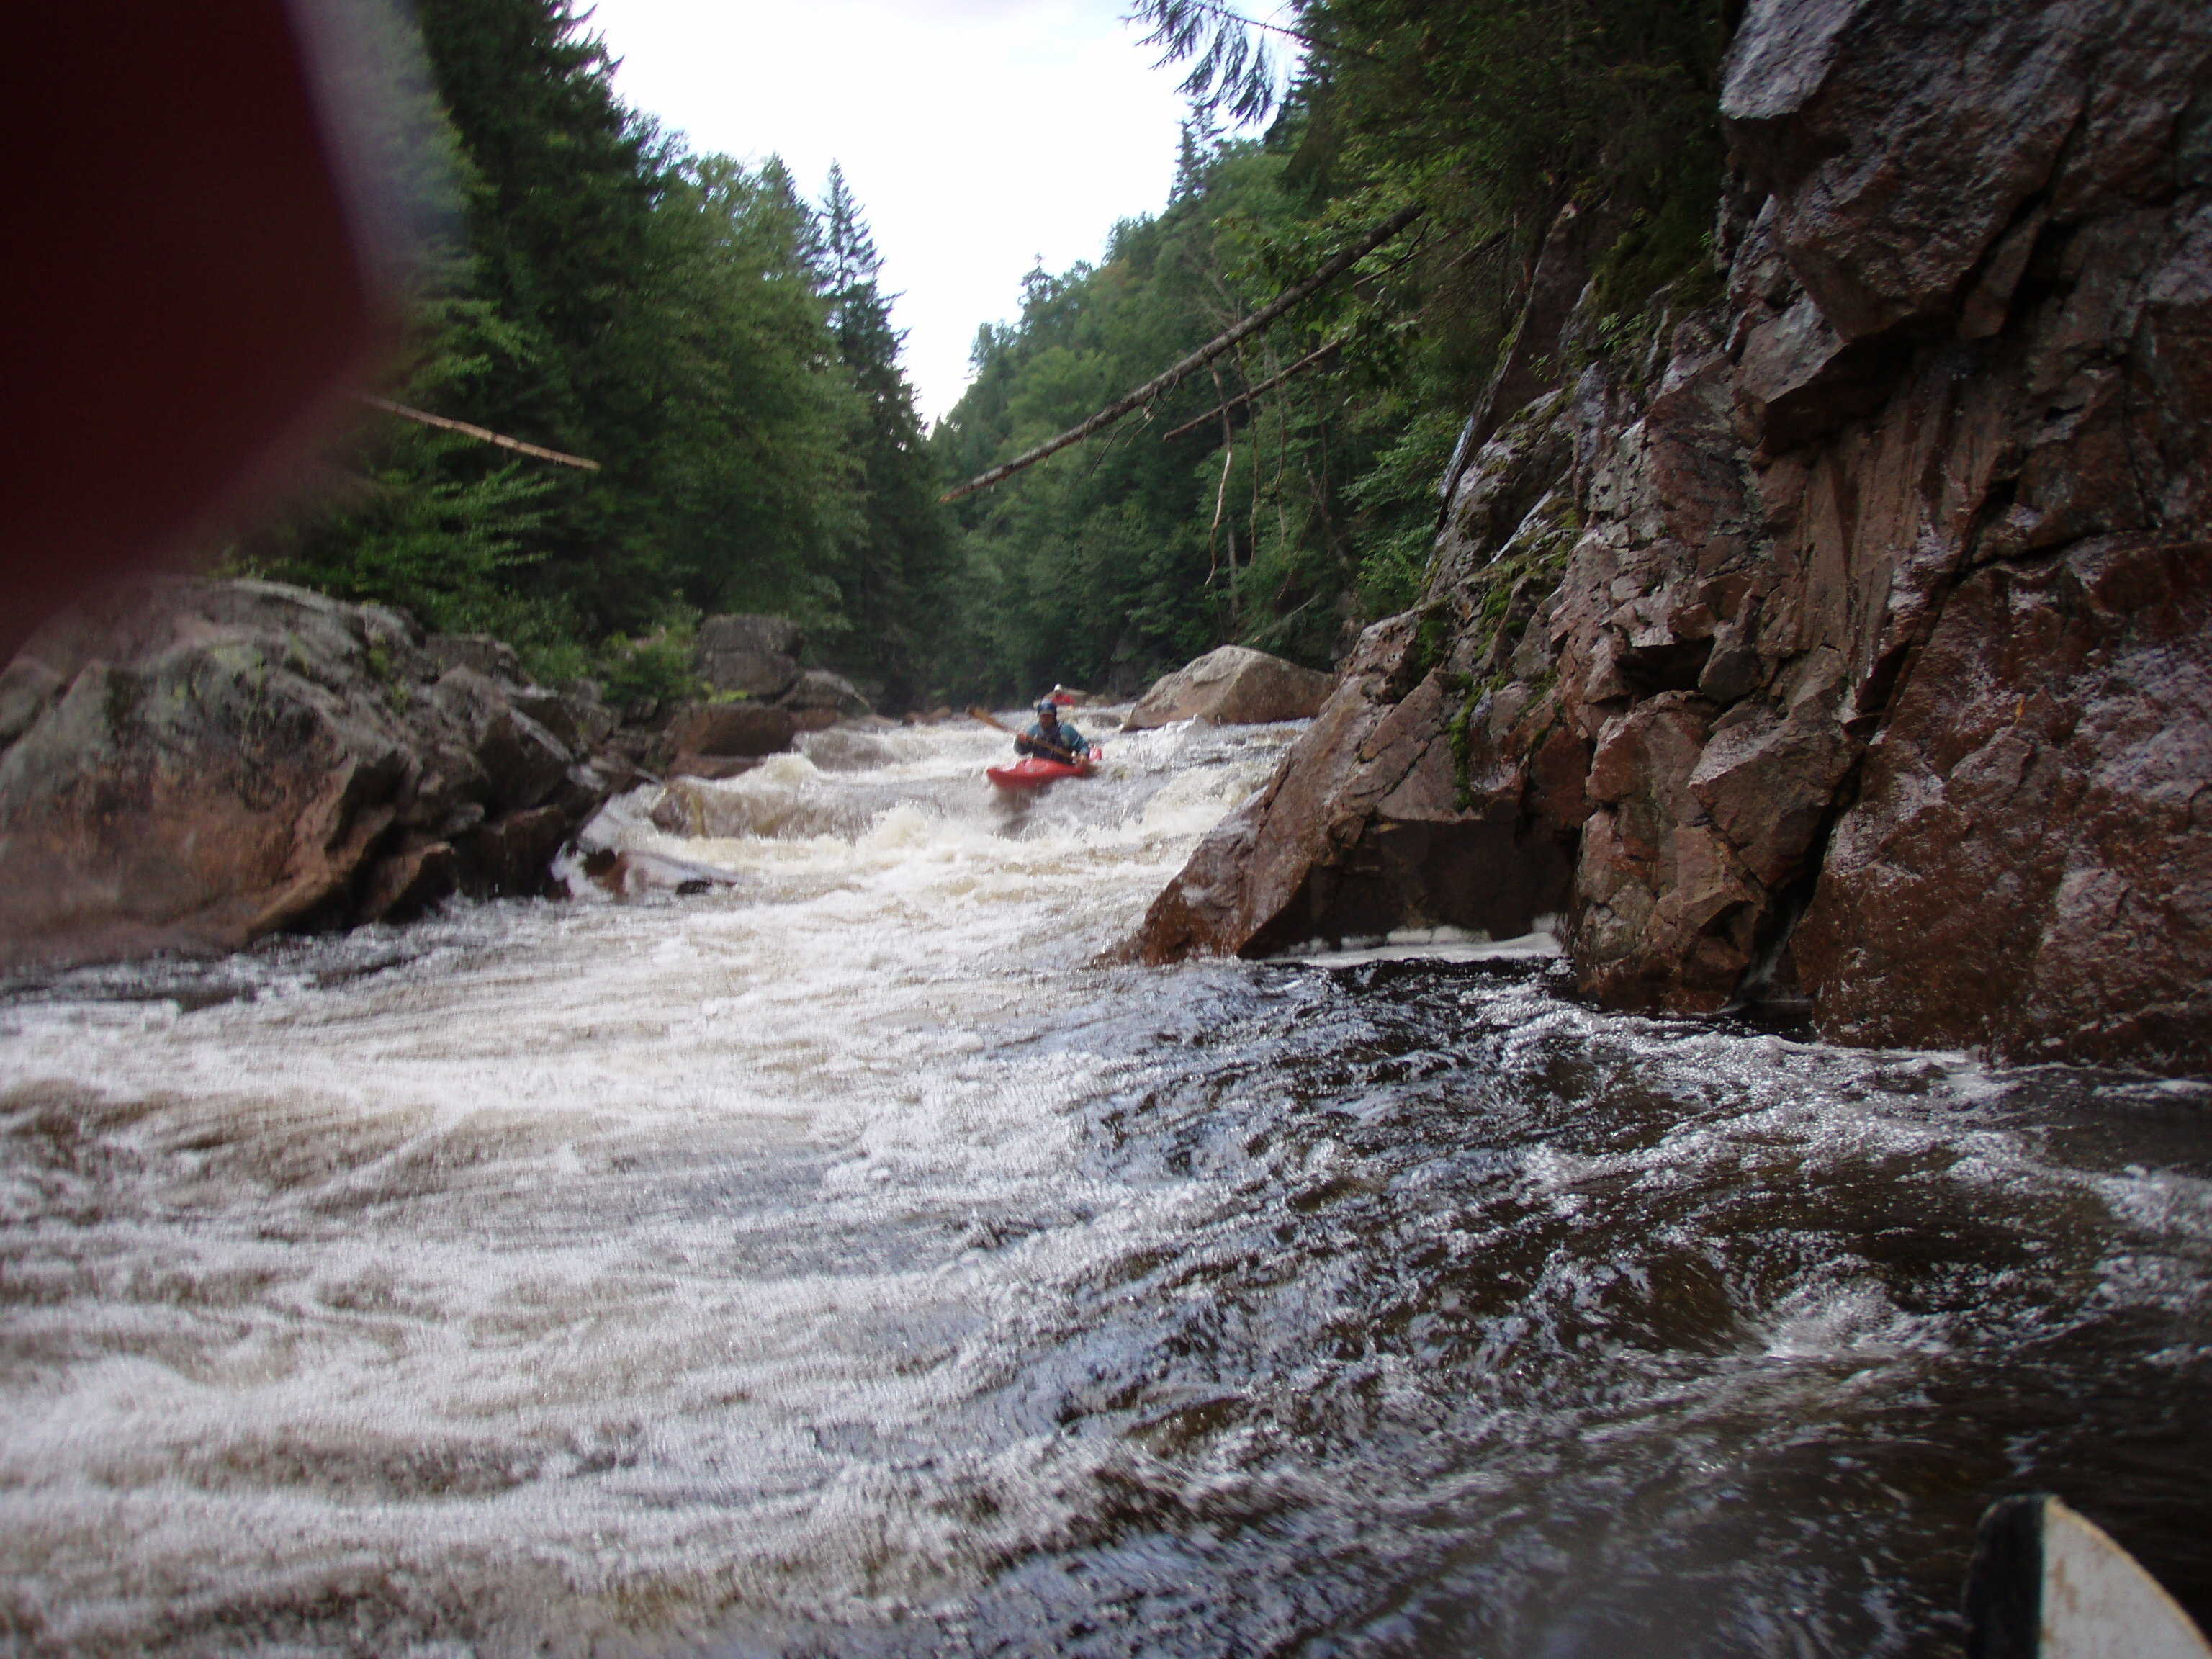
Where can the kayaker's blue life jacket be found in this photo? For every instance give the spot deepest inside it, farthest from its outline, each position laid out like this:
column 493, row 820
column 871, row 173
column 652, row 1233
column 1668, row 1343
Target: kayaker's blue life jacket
column 1067, row 738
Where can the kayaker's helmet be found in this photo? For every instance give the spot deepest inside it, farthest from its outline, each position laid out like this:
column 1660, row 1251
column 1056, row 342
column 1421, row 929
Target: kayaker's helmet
column 1047, row 709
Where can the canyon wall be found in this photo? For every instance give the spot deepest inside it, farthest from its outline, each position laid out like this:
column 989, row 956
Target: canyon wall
column 1841, row 641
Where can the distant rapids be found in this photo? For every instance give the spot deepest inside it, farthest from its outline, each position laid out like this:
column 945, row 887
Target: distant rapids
column 841, row 1262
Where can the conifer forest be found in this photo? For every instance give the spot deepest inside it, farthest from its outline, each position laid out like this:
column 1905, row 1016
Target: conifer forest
column 723, row 348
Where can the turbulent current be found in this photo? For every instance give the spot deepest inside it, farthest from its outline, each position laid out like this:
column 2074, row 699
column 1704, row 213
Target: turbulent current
column 841, row 1261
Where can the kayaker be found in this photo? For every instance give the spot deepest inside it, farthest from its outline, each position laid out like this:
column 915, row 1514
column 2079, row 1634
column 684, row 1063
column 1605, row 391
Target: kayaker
column 1050, row 738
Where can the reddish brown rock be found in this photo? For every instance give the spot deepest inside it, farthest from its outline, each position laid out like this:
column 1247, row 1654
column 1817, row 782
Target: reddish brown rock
column 404, row 884
column 1932, row 476
column 1232, row 686
column 2029, row 865
column 1900, row 139
column 730, row 730
column 1365, row 828
column 1652, row 882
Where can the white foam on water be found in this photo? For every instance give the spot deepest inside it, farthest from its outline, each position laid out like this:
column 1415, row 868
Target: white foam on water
column 1432, row 944
column 603, row 1270
column 596, row 1276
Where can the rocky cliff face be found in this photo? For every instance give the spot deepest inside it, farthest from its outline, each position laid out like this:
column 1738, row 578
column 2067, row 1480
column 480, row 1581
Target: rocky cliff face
column 186, row 766
column 1845, row 640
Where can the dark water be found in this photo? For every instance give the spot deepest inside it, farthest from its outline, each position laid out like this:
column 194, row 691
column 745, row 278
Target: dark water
column 1521, row 1330
column 839, row 1264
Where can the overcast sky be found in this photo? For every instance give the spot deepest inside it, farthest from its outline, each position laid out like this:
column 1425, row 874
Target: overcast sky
column 977, row 134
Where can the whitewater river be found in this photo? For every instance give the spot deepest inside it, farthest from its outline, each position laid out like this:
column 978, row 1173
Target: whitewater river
column 840, row 1262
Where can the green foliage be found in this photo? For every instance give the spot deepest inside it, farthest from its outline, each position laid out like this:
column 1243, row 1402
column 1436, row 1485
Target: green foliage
column 1315, row 510
column 724, row 349
column 692, row 324
column 654, row 668
column 1400, row 493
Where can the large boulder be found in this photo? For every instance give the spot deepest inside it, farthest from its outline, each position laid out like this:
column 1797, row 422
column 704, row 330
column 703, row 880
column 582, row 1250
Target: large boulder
column 728, row 730
column 756, row 655
column 1365, row 827
column 1234, row 685
column 189, row 765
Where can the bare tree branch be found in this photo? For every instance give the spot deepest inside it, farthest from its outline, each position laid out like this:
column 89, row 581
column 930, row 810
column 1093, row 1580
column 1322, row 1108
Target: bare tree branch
column 1335, row 267
column 1245, row 396
column 480, row 432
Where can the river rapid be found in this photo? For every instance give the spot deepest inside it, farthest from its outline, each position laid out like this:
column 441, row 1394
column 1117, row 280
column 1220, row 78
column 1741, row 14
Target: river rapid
column 843, row 1262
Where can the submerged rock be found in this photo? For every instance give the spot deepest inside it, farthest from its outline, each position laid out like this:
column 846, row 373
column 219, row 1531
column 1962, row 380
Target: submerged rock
column 191, row 765
column 1232, row 686
column 844, row 750
column 1875, row 594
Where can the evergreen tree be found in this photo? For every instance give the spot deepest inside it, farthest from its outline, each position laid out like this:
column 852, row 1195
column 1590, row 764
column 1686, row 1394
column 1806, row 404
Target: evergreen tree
column 609, row 295
column 895, row 575
column 1296, row 499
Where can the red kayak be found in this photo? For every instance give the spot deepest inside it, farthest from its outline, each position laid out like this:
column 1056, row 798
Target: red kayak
column 1035, row 771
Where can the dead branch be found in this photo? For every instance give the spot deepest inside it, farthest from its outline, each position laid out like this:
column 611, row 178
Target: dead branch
column 483, row 433
column 1246, row 397
column 1198, row 359
column 1221, row 493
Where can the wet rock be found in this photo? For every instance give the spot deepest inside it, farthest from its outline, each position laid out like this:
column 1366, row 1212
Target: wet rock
column 1232, row 686
column 701, row 808
column 403, row 884
column 1805, row 379
column 757, row 655
column 1662, row 908
column 1898, row 140
column 2029, row 862
column 1933, row 465
column 199, row 763
column 628, row 874
column 1766, row 782
column 713, row 767
column 845, row 750
column 724, row 730
column 1365, row 827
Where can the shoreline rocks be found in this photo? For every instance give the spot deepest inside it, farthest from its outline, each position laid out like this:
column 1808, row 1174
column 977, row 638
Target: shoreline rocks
column 757, row 658
column 191, row 765
column 1845, row 644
